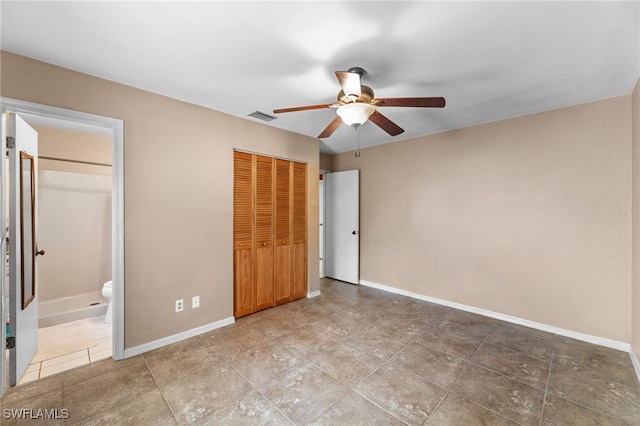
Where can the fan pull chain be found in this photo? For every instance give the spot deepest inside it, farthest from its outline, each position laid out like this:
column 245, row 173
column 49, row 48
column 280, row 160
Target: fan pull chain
column 357, row 152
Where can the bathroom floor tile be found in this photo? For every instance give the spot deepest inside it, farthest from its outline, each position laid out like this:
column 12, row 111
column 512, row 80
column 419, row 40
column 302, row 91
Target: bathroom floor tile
column 64, row 366
column 29, row 376
column 99, row 355
column 64, row 358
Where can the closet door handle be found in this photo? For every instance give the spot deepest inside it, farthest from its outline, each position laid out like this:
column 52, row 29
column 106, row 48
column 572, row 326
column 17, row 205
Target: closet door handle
column 40, row 252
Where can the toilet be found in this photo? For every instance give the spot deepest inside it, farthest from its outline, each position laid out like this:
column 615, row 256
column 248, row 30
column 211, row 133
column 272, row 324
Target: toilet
column 108, row 294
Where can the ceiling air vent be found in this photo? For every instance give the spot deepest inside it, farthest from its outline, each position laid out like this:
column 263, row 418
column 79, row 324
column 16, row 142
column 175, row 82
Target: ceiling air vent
column 262, row 116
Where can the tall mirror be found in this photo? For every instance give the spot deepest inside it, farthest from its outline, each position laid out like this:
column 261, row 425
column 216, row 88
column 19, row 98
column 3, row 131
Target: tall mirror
column 27, row 228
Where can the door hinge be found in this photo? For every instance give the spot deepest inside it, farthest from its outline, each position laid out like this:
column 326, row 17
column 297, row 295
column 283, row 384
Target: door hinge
column 11, row 342
column 11, row 142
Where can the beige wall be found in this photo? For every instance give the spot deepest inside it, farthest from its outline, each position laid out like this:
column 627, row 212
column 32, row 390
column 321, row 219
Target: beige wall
column 325, row 162
column 73, row 145
column 178, row 191
column 529, row 217
column 635, row 268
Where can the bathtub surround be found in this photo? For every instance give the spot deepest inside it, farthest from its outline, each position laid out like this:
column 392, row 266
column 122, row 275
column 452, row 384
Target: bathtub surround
column 75, row 230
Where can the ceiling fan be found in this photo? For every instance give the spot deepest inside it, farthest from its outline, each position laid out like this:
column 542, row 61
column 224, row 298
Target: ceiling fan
column 357, row 104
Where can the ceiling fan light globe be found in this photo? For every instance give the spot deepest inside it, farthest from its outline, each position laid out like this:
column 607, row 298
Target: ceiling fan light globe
column 355, row 114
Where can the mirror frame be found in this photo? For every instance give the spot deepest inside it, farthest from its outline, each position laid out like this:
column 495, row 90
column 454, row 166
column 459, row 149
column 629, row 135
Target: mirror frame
column 27, row 297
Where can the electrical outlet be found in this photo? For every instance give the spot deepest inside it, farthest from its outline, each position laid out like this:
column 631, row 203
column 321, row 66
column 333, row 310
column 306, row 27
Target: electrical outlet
column 195, row 302
column 179, row 305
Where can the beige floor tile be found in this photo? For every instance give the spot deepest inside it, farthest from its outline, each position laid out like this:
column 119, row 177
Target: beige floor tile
column 100, row 355
column 64, row 366
column 64, row 358
column 29, row 376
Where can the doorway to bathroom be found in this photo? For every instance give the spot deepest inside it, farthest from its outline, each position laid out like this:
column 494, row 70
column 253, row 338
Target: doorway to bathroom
column 80, row 192
column 74, row 228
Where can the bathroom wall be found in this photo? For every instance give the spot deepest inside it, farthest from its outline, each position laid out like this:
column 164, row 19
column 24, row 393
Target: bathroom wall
column 74, row 213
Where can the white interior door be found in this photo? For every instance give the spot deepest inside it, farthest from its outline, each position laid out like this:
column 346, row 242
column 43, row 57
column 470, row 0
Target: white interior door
column 342, row 226
column 23, row 287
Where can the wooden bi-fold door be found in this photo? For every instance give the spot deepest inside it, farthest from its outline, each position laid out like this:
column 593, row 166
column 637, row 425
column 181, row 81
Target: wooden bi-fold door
column 269, row 232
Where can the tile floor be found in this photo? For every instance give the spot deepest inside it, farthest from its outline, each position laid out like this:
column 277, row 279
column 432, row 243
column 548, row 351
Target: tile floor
column 352, row 356
column 99, row 349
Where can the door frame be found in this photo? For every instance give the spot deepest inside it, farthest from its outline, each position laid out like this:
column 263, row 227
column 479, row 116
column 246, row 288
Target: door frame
column 84, row 122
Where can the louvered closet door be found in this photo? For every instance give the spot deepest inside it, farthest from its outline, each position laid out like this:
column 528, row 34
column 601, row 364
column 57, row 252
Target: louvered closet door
column 299, row 228
column 264, row 232
column 283, row 247
column 244, row 290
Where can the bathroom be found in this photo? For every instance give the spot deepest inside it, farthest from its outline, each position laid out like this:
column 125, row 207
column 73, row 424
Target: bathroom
column 74, row 229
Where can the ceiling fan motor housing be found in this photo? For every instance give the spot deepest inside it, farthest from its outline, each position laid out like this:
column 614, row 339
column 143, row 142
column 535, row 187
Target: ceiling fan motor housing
column 366, row 96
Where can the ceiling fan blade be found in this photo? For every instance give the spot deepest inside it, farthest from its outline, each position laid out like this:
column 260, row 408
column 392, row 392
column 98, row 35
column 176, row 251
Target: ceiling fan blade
column 385, row 124
column 410, row 102
column 328, row 131
column 350, row 82
column 302, row 108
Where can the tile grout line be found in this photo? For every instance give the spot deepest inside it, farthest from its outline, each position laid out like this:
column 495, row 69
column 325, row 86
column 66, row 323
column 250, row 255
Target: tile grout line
column 546, row 387
column 164, row 397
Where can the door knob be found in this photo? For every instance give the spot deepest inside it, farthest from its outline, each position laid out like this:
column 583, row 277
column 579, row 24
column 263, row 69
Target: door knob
column 354, row 232
column 40, row 252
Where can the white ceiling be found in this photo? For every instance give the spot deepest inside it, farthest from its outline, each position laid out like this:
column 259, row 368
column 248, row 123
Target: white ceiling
column 490, row 60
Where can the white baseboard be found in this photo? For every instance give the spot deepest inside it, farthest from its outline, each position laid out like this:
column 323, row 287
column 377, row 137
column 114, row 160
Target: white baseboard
column 635, row 362
column 313, row 294
column 614, row 344
column 146, row 347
